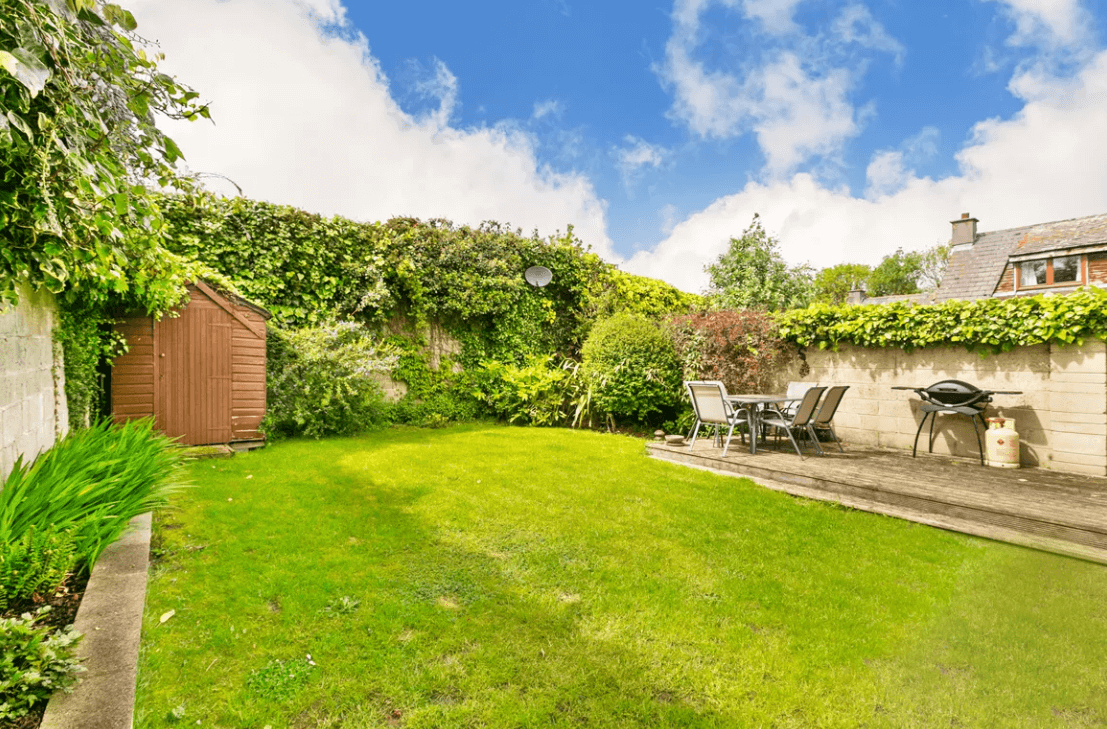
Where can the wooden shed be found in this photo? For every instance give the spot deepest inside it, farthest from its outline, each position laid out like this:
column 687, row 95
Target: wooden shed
column 201, row 375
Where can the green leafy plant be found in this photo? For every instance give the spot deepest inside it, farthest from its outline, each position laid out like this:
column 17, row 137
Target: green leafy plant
column 35, row 661
column 34, row 563
column 632, row 368
column 627, row 293
column 985, row 325
column 82, row 153
column 92, row 482
column 536, row 392
column 280, row 679
column 344, row 605
column 326, row 380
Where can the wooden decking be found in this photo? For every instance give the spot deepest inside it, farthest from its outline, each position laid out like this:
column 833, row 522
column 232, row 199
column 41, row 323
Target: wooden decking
column 1034, row 507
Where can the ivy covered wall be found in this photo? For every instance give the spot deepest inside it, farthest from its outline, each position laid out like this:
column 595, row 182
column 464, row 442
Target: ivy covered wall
column 307, row 269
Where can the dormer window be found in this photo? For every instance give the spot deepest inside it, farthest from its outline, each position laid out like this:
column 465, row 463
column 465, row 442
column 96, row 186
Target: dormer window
column 1049, row 271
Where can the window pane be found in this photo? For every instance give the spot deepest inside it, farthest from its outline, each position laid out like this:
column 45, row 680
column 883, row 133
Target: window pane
column 1033, row 273
column 1066, row 269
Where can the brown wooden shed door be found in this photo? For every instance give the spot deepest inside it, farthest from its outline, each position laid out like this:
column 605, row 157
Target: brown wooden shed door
column 194, row 374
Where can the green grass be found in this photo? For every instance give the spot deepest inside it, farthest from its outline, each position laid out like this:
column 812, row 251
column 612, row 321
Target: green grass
column 507, row 577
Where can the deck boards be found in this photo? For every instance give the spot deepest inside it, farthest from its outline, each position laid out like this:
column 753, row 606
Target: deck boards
column 1034, row 507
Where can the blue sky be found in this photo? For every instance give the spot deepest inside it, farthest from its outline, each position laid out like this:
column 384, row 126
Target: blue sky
column 657, row 130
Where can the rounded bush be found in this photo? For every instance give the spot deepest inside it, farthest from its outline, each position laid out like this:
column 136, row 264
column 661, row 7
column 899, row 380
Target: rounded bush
column 633, row 369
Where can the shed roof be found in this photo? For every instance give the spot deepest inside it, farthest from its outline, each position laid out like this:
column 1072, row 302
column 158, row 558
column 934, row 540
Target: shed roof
column 975, row 272
column 230, row 295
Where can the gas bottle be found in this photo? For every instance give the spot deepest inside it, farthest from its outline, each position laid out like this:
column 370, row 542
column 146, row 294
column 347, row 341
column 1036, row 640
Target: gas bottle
column 1002, row 443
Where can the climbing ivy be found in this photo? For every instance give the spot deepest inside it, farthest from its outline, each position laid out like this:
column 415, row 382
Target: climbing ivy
column 80, row 154
column 308, row 268
column 985, row 325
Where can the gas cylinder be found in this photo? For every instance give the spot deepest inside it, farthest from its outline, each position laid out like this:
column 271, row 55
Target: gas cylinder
column 1002, row 443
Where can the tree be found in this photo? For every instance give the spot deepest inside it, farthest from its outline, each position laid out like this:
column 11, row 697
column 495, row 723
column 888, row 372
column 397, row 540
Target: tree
column 80, row 154
column 753, row 275
column 934, row 262
column 834, row 283
column 897, row 274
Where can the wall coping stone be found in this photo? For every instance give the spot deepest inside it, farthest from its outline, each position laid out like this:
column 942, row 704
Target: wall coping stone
column 110, row 617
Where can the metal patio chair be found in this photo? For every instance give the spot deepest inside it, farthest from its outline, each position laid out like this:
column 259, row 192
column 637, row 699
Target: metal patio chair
column 801, row 420
column 709, row 402
column 795, row 393
column 823, row 420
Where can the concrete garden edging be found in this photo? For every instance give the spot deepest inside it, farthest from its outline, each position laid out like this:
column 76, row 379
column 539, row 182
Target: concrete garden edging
column 110, row 617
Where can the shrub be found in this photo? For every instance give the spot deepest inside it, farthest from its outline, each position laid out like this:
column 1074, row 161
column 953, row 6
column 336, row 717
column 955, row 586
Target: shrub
column 326, row 381
column 34, row 662
column 740, row 348
column 632, row 369
column 34, row 563
column 92, row 482
column 536, row 393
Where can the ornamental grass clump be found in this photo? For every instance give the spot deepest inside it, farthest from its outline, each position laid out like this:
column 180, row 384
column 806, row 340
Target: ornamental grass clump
column 90, row 485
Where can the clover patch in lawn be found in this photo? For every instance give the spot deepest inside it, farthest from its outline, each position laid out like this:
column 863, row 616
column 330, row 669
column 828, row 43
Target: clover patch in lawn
column 279, row 679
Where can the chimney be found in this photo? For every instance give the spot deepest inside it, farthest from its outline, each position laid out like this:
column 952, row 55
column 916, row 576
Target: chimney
column 964, row 232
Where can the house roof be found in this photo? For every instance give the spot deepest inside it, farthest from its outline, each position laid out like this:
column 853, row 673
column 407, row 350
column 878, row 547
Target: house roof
column 975, row 272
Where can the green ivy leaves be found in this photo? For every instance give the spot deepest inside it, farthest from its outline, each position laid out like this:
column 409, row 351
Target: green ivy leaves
column 77, row 107
column 987, row 325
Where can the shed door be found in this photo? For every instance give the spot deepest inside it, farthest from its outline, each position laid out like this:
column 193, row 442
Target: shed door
column 194, row 374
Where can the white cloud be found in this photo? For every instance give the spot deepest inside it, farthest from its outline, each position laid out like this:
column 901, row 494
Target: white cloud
column 304, row 116
column 889, row 169
column 1045, row 163
column 886, row 173
column 801, row 114
column 794, row 98
column 549, row 107
column 855, row 24
column 775, row 15
column 442, row 87
column 630, row 160
column 668, row 218
column 1048, row 23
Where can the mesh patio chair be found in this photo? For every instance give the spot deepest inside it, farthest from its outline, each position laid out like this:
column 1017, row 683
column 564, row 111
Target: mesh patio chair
column 823, row 420
column 795, row 392
column 801, row 420
column 712, row 408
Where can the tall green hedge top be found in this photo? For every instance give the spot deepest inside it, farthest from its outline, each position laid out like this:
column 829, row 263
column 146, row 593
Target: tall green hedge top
column 80, row 152
column 988, row 325
column 307, row 269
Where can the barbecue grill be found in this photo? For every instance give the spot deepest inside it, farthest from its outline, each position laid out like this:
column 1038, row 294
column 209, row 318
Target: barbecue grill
column 954, row 396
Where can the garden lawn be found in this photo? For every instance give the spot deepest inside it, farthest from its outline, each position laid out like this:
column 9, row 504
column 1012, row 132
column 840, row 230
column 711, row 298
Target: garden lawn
column 511, row 577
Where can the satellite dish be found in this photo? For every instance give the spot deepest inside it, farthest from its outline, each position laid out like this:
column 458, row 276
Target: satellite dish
column 538, row 276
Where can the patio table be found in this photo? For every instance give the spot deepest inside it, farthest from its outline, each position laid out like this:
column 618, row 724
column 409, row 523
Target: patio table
column 752, row 404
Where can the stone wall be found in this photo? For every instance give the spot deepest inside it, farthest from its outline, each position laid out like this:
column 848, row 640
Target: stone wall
column 33, row 412
column 1061, row 415
column 440, row 345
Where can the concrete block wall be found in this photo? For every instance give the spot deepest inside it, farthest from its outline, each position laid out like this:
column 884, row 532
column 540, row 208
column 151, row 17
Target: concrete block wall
column 1061, row 415
column 33, row 412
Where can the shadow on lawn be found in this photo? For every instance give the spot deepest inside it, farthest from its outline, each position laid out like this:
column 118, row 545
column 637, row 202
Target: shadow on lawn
column 450, row 635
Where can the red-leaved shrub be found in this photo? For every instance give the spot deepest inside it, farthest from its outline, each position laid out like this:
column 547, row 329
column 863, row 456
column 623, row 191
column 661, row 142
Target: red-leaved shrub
column 740, row 348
